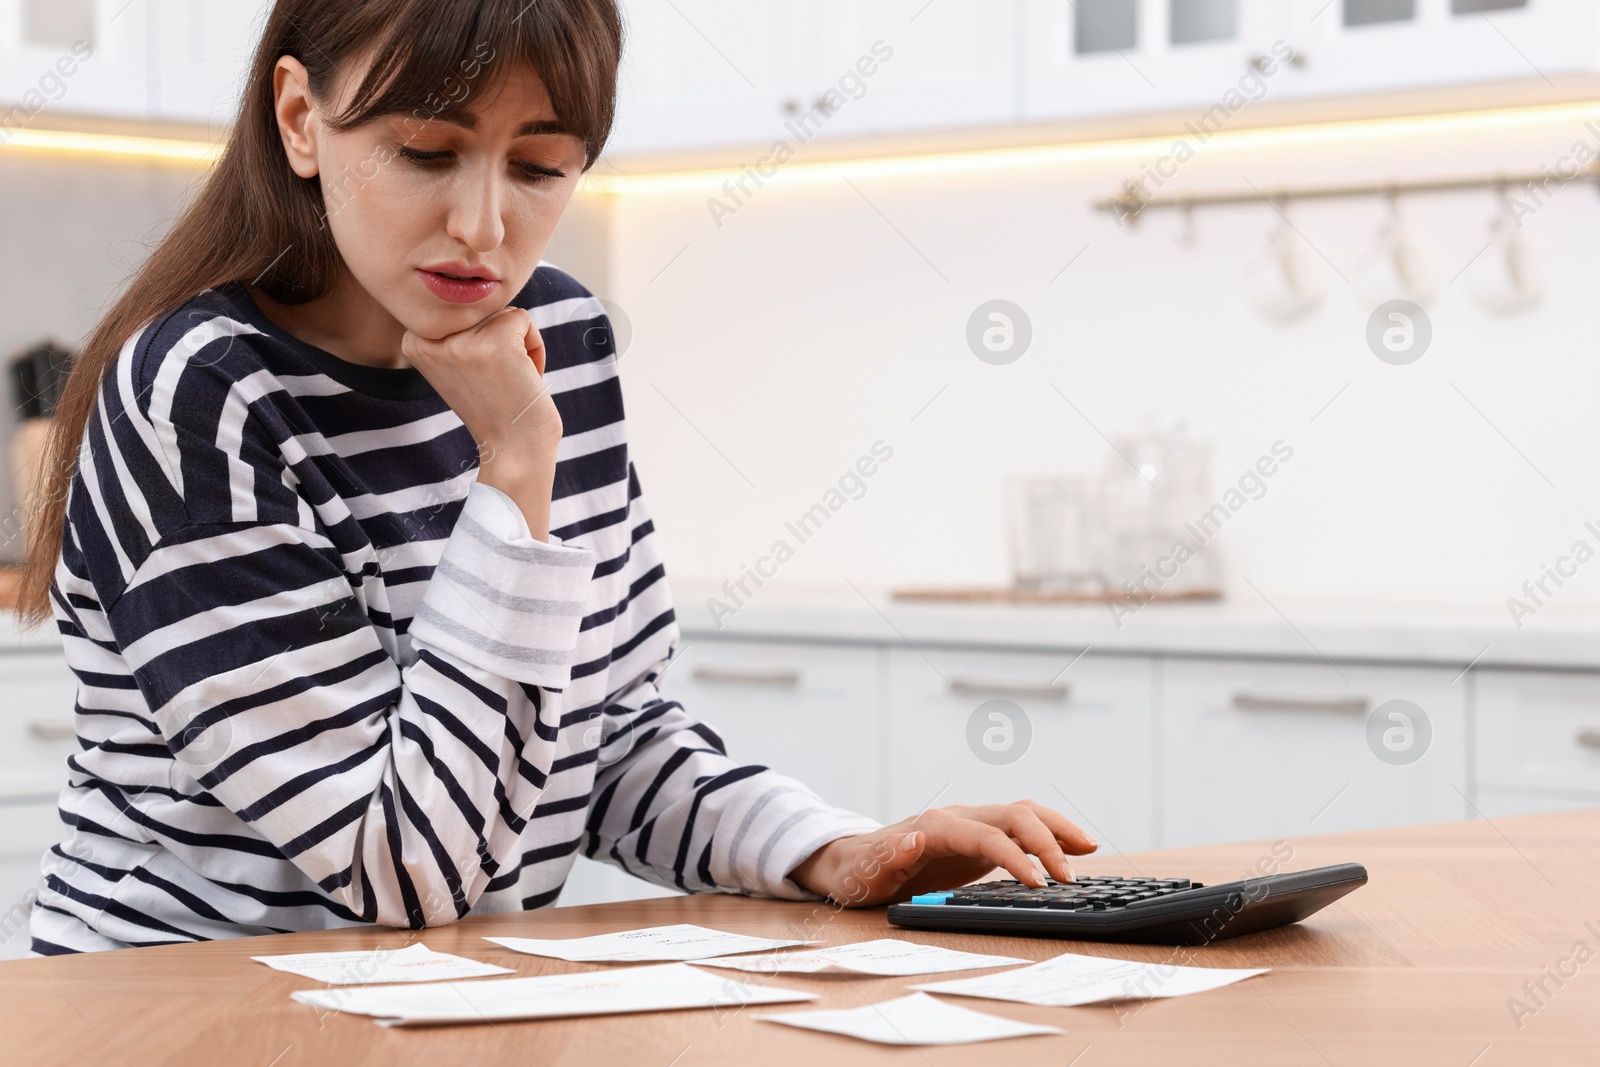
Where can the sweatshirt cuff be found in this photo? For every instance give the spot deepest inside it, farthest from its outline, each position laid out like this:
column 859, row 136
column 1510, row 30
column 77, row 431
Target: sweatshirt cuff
column 824, row 828
column 503, row 601
column 783, row 825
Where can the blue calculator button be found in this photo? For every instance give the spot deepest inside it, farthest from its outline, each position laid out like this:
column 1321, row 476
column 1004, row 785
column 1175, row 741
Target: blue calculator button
column 930, row 898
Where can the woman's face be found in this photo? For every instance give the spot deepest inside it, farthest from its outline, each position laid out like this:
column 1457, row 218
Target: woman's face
column 413, row 199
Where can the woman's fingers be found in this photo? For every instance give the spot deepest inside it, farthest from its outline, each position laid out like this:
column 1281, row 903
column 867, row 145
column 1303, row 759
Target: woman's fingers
column 483, row 374
column 905, row 860
column 962, row 836
column 880, row 864
column 1033, row 828
column 527, row 333
column 945, row 847
column 1030, row 831
column 534, row 343
column 1072, row 839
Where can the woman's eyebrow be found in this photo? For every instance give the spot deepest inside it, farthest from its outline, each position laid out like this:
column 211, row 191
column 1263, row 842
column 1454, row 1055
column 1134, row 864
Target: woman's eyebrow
column 467, row 121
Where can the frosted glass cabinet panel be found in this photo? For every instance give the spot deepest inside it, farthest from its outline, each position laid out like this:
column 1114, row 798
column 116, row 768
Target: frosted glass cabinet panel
column 1382, row 45
column 1082, row 60
column 71, row 58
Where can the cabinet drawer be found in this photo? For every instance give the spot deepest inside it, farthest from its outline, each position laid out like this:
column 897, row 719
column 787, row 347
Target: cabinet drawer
column 1495, row 803
column 37, row 694
column 812, row 712
column 26, row 831
column 1081, row 744
column 1538, row 730
column 1267, row 750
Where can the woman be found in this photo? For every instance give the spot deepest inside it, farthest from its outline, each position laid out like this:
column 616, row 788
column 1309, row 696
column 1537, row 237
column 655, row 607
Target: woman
column 347, row 549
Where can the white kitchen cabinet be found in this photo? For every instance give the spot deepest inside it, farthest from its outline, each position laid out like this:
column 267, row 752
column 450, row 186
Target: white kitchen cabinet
column 201, row 56
column 1082, row 744
column 597, row 882
column 28, row 831
column 857, row 67
column 37, row 693
column 1364, row 46
column 79, row 57
column 698, row 73
column 178, row 60
column 1084, row 58
column 1106, row 57
column 811, row 712
column 1269, row 750
column 1493, row 803
column 1538, row 741
column 708, row 73
column 716, row 73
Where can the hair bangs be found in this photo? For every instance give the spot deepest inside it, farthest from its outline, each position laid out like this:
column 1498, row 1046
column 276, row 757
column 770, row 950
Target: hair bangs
column 437, row 61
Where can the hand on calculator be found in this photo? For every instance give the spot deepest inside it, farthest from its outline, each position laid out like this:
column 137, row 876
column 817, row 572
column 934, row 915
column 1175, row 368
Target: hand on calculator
column 942, row 848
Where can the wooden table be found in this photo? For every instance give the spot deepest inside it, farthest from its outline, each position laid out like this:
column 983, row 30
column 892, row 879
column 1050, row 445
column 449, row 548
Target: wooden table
column 1419, row 967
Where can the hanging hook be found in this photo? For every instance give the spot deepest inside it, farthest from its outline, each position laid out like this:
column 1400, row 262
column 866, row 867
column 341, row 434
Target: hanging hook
column 1516, row 283
column 1187, row 235
column 1391, row 200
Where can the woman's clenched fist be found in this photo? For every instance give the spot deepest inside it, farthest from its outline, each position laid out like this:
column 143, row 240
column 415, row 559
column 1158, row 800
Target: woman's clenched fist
column 492, row 376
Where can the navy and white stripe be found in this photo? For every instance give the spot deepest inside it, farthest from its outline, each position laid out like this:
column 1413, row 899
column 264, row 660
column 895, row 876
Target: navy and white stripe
column 326, row 678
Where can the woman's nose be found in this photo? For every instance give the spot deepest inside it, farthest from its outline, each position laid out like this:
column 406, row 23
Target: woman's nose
column 475, row 209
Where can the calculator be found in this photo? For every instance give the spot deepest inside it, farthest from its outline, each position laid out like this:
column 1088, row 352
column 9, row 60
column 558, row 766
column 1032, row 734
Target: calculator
column 1151, row 911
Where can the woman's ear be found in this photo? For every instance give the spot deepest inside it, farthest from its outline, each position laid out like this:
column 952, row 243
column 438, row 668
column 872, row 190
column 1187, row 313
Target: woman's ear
column 297, row 112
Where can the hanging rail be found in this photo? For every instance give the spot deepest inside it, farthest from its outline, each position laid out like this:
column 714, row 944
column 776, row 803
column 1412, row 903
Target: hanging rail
column 1130, row 205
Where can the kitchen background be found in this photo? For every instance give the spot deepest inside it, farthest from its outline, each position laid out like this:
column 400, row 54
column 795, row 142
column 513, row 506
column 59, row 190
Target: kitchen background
column 785, row 312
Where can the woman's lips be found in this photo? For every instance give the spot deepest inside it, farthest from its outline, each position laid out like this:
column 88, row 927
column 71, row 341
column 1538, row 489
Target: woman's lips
column 457, row 290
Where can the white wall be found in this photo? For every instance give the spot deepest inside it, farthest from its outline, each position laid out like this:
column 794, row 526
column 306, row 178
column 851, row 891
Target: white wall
column 806, row 327
column 75, row 227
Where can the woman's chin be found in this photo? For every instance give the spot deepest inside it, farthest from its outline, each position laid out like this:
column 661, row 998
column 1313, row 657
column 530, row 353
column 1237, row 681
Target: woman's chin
column 441, row 319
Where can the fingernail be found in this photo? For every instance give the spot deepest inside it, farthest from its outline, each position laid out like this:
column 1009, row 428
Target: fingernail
column 1093, row 843
column 908, row 843
column 1039, row 870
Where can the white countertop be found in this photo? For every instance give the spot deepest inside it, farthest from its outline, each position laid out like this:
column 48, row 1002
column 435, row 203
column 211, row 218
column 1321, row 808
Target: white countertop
column 1409, row 634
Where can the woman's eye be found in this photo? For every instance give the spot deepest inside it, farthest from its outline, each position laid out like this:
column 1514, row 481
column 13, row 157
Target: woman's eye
column 425, row 157
column 418, row 155
column 537, row 173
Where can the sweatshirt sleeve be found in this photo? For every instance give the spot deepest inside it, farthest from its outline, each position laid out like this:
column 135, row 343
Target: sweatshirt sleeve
column 400, row 786
column 679, row 811
column 477, row 611
column 672, row 805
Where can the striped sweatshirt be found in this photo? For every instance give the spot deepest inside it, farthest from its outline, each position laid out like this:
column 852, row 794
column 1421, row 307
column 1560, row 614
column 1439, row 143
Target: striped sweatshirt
column 325, row 678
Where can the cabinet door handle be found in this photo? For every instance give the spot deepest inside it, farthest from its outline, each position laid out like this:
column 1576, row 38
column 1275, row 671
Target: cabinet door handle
column 1261, row 61
column 1256, row 702
column 52, row 730
column 1589, row 737
column 978, row 687
column 780, row 679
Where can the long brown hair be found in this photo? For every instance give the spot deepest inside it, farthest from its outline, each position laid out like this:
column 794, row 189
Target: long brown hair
column 256, row 221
